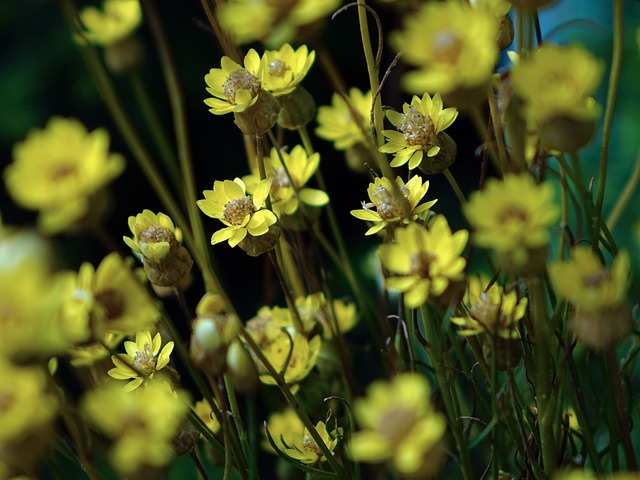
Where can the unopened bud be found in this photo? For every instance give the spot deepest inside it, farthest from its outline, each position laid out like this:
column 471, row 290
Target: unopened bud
column 298, row 109
column 124, row 56
column 259, row 117
column 565, row 133
column 443, row 159
column 255, row 246
column 241, row 369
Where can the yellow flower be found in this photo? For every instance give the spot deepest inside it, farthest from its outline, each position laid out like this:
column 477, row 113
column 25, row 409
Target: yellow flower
column 490, row 310
column 205, row 412
column 141, row 424
column 498, row 8
column 314, row 308
column 399, row 424
column 88, row 354
column 512, row 216
column 419, row 125
column 558, row 81
column 58, row 169
column 285, row 68
column 293, row 439
column 116, row 22
column 388, row 208
column 425, row 261
column 301, row 168
column 453, row 46
column 346, row 121
column 142, row 360
column 241, row 213
column 111, row 298
column 234, row 88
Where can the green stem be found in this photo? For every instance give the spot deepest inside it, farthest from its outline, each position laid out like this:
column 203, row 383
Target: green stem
column 456, row 188
column 196, row 461
column 624, row 197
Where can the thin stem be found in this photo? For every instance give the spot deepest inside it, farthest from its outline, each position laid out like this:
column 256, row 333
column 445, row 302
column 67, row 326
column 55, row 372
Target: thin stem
column 196, row 461
column 456, row 188
column 625, row 196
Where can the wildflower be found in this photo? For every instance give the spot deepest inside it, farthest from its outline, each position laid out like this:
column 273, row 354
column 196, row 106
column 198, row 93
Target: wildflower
column 204, row 410
column 301, row 167
column 499, row 9
column 399, row 424
column 141, row 424
column 91, row 353
column 388, row 208
column 241, row 370
column 116, row 22
column 557, row 84
column 340, row 314
column 512, row 216
column 27, row 411
column 241, row 213
column 111, row 299
column 291, row 437
column 158, row 243
column 58, row 171
column 420, row 128
column 601, row 316
column 285, row 68
column 346, row 121
column 453, row 46
column 425, row 262
column 142, row 360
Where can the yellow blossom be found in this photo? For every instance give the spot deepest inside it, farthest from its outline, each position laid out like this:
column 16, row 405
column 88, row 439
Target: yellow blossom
column 425, row 261
column 90, row 353
column 285, row 68
column 346, row 121
column 241, row 213
column 418, row 126
column 141, row 423
column 234, row 87
column 205, row 412
column 490, row 310
column 453, row 46
column 142, row 361
column 399, row 424
column 117, row 21
column 388, row 208
column 58, row 170
column 315, row 308
column 558, row 81
column 293, row 439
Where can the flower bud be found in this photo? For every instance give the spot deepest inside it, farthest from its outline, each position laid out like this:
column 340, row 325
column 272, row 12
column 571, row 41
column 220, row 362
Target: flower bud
column 565, row 133
column 443, row 159
column 124, row 56
column 259, row 117
column 185, row 439
column 241, row 369
column 601, row 328
column 255, row 246
column 298, row 109
column 506, row 350
column 358, row 157
column 505, row 33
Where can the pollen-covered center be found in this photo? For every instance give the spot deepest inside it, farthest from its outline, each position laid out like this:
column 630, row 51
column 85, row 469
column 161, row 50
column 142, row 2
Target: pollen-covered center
column 512, row 214
column 156, row 234
column 310, row 445
column 112, row 302
column 61, row 172
column 485, row 311
column 278, row 68
column 280, row 180
column 386, row 203
column 240, row 79
column 396, row 423
column 446, row 47
column 597, row 279
column 145, row 361
column 421, row 264
column 237, row 209
column 417, row 128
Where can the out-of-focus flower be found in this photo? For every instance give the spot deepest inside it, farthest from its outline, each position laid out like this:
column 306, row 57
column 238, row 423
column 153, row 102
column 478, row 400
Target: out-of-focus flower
column 117, row 20
column 241, row 213
column 293, row 439
column 453, row 46
column 58, row 171
column 419, row 130
column 285, row 68
column 205, row 412
column 141, row 424
column 512, row 217
column 142, row 361
column 601, row 316
column 88, row 354
column 158, row 243
column 272, row 21
column 399, row 424
column 341, row 314
column 345, row 124
column 424, row 262
column 388, row 208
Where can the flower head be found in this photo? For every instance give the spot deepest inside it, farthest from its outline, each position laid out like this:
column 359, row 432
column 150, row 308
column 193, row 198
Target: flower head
column 388, row 208
column 346, row 121
column 117, row 21
column 234, row 87
column 491, row 310
column 558, row 81
column 58, row 170
column 204, row 410
column 425, row 261
column 399, row 424
column 285, row 68
column 418, row 128
column 91, row 353
column 292, row 438
column 241, row 213
column 453, row 46
column 142, row 361
column 512, row 216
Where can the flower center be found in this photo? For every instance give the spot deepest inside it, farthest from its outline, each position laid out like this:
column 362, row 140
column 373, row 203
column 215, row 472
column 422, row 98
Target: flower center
column 60, row 172
column 280, row 180
column 240, row 79
column 397, row 423
column 237, row 209
column 7, row 399
column 485, row 311
column 145, row 361
column 112, row 302
column 278, row 68
column 421, row 264
column 446, row 47
column 156, row 234
column 513, row 214
column 418, row 129
column 597, row 279
column 310, row 445
column 387, row 204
